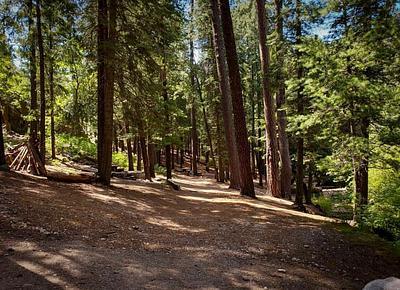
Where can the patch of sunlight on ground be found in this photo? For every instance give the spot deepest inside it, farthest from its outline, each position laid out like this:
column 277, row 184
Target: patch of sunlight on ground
column 257, row 204
column 169, row 224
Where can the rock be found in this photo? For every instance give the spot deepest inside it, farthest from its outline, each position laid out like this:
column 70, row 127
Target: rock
column 281, row 270
column 391, row 283
column 294, row 259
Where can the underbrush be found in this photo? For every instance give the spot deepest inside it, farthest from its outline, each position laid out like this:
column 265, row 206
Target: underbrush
column 382, row 215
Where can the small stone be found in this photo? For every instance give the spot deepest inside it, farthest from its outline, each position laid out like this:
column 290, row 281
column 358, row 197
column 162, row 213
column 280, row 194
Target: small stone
column 281, row 270
column 306, row 246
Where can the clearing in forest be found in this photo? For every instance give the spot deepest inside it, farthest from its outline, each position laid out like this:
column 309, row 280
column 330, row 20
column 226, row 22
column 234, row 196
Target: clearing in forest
column 138, row 234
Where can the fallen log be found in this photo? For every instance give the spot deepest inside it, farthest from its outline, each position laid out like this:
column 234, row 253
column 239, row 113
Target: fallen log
column 173, row 184
column 70, row 177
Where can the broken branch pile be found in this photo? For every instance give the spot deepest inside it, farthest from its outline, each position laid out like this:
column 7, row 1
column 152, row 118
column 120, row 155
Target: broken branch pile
column 25, row 157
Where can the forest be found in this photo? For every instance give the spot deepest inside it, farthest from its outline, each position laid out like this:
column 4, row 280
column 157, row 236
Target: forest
column 149, row 144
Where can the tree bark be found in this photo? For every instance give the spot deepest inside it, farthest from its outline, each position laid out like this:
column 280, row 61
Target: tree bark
column 106, row 38
column 269, row 108
column 3, row 163
column 239, row 118
column 129, row 147
column 152, row 158
column 193, row 110
column 51, row 79
column 300, row 110
column 42, row 84
column 32, row 69
column 167, row 117
column 286, row 167
column 227, row 112
column 138, row 155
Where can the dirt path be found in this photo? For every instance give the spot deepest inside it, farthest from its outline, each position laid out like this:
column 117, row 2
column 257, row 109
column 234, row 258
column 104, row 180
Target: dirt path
column 139, row 235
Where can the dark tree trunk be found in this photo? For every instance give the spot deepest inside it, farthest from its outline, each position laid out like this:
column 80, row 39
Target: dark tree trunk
column 152, row 158
column 167, row 118
column 139, row 156
column 227, row 112
column 220, row 173
column 246, row 178
column 269, row 108
column 3, row 163
column 310, row 182
column 42, row 146
column 129, row 148
column 182, row 160
column 195, row 153
column 172, row 157
column 115, row 138
column 105, row 90
column 286, row 167
column 260, row 163
column 32, row 68
column 51, row 72
column 300, row 110
column 145, row 156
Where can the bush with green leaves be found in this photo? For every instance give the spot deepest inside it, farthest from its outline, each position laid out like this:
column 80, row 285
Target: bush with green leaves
column 383, row 211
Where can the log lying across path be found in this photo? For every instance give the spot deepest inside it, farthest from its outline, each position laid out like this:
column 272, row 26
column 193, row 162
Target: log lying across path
column 70, row 177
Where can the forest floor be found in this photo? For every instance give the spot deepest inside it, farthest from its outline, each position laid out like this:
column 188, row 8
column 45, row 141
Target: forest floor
column 137, row 235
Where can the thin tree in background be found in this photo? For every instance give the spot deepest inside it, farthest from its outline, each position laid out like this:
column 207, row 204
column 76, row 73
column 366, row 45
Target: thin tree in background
column 300, row 110
column 269, row 110
column 42, row 126
column 222, row 71
column 32, row 72
column 242, row 143
column 193, row 120
column 51, row 80
column 3, row 163
column 286, row 167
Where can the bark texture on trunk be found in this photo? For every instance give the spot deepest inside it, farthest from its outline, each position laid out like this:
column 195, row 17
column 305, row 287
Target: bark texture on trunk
column 105, row 53
column 42, row 126
column 286, row 167
column 51, row 79
column 3, row 163
column 239, row 118
column 32, row 72
column 300, row 110
column 269, row 108
column 227, row 112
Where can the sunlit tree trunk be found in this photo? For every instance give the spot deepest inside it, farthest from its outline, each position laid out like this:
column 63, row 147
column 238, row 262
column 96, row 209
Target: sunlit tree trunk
column 239, row 118
column 286, row 167
column 51, row 79
column 227, row 114
column 269, row 108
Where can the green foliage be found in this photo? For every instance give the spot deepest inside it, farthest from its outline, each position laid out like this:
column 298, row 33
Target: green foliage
column 383, row 211
column 120, row 159
column 75, row 147
column 161, row 170
column 325, row 203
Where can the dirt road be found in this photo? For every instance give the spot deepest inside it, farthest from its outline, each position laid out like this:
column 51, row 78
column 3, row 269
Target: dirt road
column 138, row 235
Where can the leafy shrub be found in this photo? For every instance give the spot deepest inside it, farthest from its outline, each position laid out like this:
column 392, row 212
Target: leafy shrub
column 383, row 211
column 120, row 159
column 325, row 203
column 160, row 170
column 74, row 146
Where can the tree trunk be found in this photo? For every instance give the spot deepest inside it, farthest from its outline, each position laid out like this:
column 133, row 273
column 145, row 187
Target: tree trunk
column 269, row 110
column 207, row 127
column 42, row 84
column 226, row 99
column 194, row 144
column 286, row 167
column 129, row 147
column 51, row 72
column 260, row 163
column 239, row 118
column 310, row 182
column 32, row 68
column 3, row 163
column 167, row 118
column 138, row 156
column 105, row 88
column 145, row 156
column 300, row 110
column 220, row 174
column 152, row 159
